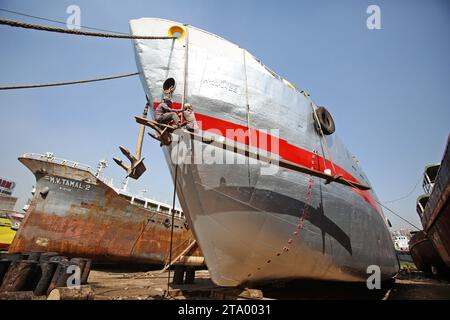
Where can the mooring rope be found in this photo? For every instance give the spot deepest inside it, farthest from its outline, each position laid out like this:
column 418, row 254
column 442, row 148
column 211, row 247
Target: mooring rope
column 173, row 221
column 54, row 84
column 396, row 214
column 185, row 78
column 185, row 71
column 56, row 21
column 248, row 114
column 20, row 24
column 407, row 195
column 322, row 136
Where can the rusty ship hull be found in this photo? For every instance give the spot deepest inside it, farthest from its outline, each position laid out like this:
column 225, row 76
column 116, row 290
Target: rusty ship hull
column 75, row 213
column 436, row 216
column 424, row 254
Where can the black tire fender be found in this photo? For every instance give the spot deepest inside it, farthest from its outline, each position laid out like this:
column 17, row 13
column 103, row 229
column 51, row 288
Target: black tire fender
column 326, row 121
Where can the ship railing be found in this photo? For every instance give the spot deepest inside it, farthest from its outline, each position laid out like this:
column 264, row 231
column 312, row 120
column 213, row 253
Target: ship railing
column 429, row 177
column 421, row 203
column 68, row 163
column 60, row 161
column 427, row 184
column 84, row 167
column 163, row 212
column 149, row 204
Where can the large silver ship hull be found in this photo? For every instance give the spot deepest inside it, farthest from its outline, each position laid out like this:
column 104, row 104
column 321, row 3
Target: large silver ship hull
column 250, row 231
column 253, row 226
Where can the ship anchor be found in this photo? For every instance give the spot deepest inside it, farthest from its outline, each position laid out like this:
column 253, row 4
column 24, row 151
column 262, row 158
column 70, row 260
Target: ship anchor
column 136, row 167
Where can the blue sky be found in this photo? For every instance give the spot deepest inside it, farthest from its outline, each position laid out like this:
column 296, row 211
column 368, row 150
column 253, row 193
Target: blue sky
column 388, row 90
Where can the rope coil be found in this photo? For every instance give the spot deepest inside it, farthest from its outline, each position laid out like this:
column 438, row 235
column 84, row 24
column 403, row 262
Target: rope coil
column 25, row 25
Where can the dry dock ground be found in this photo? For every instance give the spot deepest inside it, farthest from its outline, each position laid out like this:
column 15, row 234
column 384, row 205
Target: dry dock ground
column 115, row 284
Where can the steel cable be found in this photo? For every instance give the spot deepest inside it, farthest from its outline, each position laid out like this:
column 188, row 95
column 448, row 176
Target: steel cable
column 407, row 195
column 56, row 21
column 26, row 25
column 54, row 84
column 396, row 214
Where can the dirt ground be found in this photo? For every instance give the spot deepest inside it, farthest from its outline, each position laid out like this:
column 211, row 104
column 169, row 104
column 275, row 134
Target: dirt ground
column 114, row 284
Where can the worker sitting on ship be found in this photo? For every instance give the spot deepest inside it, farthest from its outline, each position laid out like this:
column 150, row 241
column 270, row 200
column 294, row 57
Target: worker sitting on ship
column 189, row 117
column 164, row 113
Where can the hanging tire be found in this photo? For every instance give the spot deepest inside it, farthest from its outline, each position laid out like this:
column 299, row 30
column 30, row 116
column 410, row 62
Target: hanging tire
column 326, row 121
column 167, row 223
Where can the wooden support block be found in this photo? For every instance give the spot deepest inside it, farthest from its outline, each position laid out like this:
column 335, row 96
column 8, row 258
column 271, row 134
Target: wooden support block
column 47, row 271
column 173, row 293
column 178, row 275
column 218, row 295
column 190, row 275
column 6, row 259
column 86, row 271
column 4, row 266
column 251, row 294
column 19, row 275
column 85, row 268
column 63, row 293
column 18, row 295
column 81, row 263
column 60, row 276
column 21, row 295
column 236, row 293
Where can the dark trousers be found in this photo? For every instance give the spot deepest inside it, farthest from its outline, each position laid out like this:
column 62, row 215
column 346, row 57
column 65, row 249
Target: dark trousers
column 165, row 118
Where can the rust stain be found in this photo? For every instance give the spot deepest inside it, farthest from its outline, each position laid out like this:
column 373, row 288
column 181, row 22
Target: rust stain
column 91, row 206
column 116, row 231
